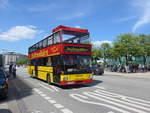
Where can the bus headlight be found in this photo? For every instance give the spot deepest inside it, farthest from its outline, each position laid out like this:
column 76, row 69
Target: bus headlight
column 65, row 78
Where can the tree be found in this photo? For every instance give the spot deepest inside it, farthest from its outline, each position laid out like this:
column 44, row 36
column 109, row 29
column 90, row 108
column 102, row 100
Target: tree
column 106, row 50
column 144, row 43
column 126, row 46
column 96, row 54
column 22, row 61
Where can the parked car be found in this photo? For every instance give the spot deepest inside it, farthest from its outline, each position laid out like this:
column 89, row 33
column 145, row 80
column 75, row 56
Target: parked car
column 3, row 84
column 97, row 70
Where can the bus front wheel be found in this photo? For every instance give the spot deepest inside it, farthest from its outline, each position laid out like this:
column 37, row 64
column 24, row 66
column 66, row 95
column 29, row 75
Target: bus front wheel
column 48, row 79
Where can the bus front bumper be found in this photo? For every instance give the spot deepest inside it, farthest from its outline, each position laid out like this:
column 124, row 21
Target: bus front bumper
column 76, row 82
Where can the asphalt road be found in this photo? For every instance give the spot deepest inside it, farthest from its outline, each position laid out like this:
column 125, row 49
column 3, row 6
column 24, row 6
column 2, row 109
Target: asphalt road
column 107, row 94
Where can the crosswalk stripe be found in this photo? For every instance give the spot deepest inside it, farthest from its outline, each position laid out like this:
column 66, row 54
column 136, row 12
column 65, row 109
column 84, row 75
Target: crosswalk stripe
column 84, row 99
column 46, row 87
column 66, row 111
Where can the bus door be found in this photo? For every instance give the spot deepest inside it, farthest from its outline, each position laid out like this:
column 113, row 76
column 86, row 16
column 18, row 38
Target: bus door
column 56, row 73
column 36, row 68
column 57, row 68
column 36, row 71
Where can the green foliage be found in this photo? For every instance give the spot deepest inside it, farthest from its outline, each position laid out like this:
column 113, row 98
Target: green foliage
column 22, row 61
column 144, row 43
column 125, row 46
column 106, row 50
column 96, row 54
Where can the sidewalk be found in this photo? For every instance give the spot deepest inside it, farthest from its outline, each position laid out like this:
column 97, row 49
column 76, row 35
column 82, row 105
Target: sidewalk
column 140, row 75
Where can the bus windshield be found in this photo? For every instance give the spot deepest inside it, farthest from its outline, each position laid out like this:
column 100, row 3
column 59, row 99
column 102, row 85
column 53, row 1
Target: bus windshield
column 77, row 63
column 85, row 39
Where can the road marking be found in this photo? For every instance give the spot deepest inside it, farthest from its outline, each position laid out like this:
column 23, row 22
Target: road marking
column 100, row 87
column 36, row 111
column 58, row 106
column 66, row 111
column 52, row 101
column 83, row 99
column 110, row 112
column 126, row 98
column 39, row 92
column 43, row 95
column 35, row 89
column 54, row 88
column 98, row 93
column 46, row 87
column 47, row 98
column 91, row 94
column 114, row 101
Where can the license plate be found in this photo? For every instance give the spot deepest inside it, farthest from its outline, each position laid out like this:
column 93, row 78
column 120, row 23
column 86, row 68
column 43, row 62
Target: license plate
column 70, row 82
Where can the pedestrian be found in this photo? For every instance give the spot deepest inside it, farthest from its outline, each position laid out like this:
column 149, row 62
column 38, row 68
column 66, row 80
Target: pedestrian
column 10, row 68
column 14, row 71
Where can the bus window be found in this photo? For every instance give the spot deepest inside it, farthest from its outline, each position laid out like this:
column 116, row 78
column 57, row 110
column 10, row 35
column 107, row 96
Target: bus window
column 57, row 37
column 44, row 61
column 69, row 60
column 49, row 61
column 50, row 40
column 30, row 50
column 56, row 60
column 85, row 39
column 44, row 42
column 40, row 45
column 37, row 46
column 34, row 48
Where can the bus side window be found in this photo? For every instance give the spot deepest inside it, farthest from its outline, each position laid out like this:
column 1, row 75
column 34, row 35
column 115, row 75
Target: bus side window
column 45, row 42
column 37, row 46
column 34, row 48
column 40, row 45
column 50, row 40
column 57, row 37
column 49, row 61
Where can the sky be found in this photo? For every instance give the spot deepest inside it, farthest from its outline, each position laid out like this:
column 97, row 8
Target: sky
column 25, row 22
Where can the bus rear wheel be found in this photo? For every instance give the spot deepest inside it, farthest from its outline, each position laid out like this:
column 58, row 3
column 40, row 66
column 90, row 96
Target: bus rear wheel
column 48, row 79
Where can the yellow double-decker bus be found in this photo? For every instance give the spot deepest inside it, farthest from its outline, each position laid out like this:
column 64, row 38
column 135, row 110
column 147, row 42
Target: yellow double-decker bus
column 62, row 58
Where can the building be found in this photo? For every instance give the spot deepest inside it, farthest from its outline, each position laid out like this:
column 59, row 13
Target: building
column 11, row 57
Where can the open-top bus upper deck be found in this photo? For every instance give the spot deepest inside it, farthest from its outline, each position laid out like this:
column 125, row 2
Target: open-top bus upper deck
column 64, row 40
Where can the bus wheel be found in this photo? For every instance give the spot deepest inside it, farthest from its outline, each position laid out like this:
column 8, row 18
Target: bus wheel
column 48, row 79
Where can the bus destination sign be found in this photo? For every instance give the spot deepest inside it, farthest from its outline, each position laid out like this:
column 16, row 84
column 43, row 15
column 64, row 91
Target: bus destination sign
column 76, row 49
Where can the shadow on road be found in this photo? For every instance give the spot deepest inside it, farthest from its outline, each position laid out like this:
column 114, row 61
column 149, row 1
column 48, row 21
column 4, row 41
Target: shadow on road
column 18, row 89
column 5, row 111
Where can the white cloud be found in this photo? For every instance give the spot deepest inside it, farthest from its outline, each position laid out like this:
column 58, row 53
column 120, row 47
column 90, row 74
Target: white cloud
column 77, row 26
column 98, row 43
column 18, row 33
column 143, row 6
column 4, row 3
